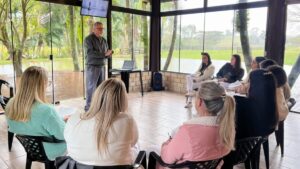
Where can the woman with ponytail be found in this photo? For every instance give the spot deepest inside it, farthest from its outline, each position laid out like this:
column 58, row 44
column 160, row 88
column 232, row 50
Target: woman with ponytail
column 209, row 136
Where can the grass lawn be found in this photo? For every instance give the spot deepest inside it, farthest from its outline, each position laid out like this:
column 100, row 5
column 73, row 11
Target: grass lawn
column 291, row 55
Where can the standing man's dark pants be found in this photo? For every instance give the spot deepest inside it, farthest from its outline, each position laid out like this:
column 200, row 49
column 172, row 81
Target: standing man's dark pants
column 94, row 76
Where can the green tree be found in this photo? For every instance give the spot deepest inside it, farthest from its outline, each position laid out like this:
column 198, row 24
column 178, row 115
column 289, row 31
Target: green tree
column 145, row 36
column 72, row 38
column 242, row 27
column 171, row 49
column 19, row 15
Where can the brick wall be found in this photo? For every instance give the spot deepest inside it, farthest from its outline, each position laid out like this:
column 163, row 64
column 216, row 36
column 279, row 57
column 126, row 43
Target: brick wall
column 175, row 82
column 134, row 82
column 172, row 81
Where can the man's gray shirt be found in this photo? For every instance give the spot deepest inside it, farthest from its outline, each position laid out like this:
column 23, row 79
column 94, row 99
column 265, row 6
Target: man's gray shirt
column 95, row 49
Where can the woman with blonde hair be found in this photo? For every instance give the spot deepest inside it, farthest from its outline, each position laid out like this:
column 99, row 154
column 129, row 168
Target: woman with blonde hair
column 105, row 135
column 209, row 136
column 29, row 114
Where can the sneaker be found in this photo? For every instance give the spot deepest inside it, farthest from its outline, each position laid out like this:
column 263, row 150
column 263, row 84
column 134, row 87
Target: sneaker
column 188, row 105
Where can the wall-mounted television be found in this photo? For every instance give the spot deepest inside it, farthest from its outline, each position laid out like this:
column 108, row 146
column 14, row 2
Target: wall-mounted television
column 97, row 8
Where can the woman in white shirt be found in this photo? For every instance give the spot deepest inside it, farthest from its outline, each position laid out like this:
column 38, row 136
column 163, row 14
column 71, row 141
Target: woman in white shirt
column 205, row 72
column 105, row 135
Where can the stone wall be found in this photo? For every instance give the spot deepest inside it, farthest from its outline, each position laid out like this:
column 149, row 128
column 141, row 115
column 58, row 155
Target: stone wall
column 172, row 81
column 134, row 82
column 175, row 82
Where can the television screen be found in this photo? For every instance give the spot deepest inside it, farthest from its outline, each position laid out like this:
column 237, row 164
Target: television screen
column 94, row 8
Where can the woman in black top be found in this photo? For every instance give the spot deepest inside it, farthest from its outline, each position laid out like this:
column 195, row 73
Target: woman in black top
column 256, row 114
column 232, row 71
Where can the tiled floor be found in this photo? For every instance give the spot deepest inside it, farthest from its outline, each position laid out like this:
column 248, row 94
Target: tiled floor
column 157, row 113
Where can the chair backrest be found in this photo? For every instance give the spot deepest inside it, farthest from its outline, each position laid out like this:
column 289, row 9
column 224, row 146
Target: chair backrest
column 243, row 150
column 4, row 100
column 34, row 148
column 3, row 82
column 291, row 103
column 211, row 164
column 66, row 162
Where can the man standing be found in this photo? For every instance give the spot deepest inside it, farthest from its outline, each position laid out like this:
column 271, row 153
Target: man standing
column 96, row 54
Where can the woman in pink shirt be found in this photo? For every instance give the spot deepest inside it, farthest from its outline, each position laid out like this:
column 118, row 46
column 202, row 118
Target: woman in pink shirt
column 209, row 136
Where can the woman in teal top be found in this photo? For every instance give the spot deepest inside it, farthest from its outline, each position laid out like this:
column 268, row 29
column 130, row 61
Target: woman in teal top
column 29, row 114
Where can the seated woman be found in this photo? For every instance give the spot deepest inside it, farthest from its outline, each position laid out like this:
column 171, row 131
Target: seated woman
column 281, row 97
column 266, row 63
column 29, row 114
column 232, row 71
column 256, row 114
column 210, row 135
column 286, row 88
column 243, row 89
column 106, row 134
column 205, row 72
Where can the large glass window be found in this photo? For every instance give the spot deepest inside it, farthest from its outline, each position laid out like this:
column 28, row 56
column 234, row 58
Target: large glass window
column 6, row 67
column 191, row 42
column 130, row 39
column 172, row 5
column 225, row 33
column 141, row 41
column 292, row 51
column 144, row 5
column 67, row 51
column 31, row 37
column 170, row 51
column 250, row 33
column 181, row 47
column 218, row 36
column 228, row 2
column 292, row 45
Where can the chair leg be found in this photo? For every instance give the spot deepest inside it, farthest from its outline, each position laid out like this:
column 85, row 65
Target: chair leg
column 266, row 152
column 28, row 163
column 281, row 136
column 10, row 139
column 229, row 167
column 151, row 162
column 255, row 158
column 247, row 164
column 277, row 137
column 49, row 165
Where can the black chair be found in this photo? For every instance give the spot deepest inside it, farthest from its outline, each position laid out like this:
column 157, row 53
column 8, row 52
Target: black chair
column 279, row 135
column 66, row 162
column 35, row 151
column 245, row 152
column 280, row 132
column 155, row 158
column 3, row 101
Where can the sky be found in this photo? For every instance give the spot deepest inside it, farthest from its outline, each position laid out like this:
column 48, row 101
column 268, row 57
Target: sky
column 223, row 20
column 293, row 28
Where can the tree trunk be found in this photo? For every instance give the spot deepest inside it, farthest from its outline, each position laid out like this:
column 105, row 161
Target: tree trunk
column 242, row 27
column 145, row 38
column 242, row 19
column 294, row 72
column 17, row 61
column 171, row 50
column 91, row 24
column 39, row 45
column 129, row 32
column 72, row 39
